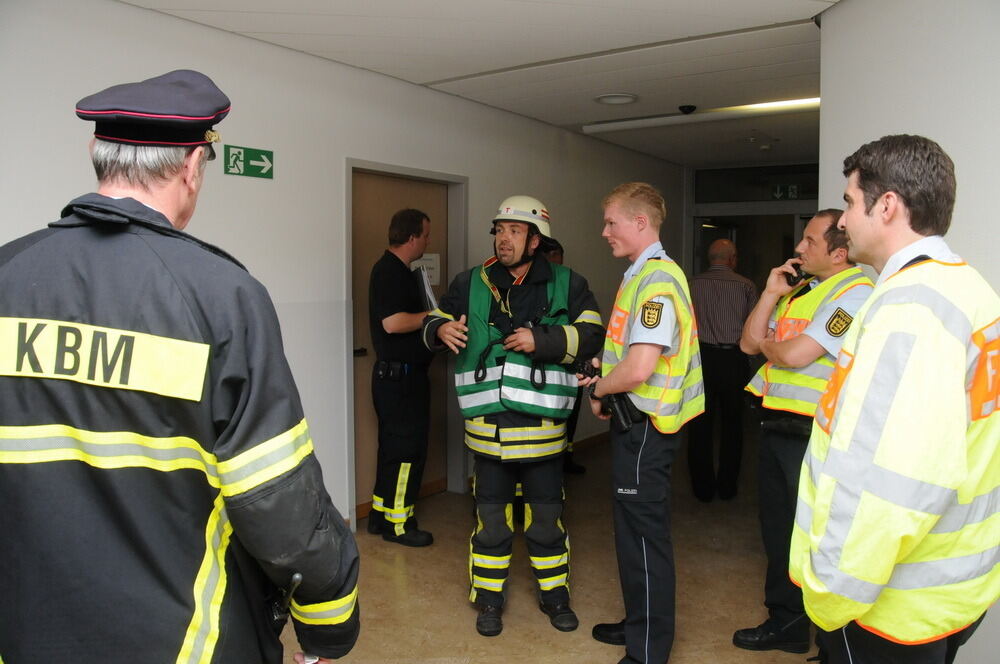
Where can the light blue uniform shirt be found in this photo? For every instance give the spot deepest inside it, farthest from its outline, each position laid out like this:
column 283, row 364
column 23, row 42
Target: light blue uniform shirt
column 662, row 333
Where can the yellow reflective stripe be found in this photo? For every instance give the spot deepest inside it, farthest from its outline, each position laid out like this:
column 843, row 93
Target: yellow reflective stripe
column 528, row 515
column 103, row 356
column 400, row 512
column 478, row 426
column 553, row 582
column 548, row 562
column 334, row 612
column 548, row 429
column 509, row 516
column 487, row 583
column 572, row 343
column 104, row 449
column 441, row 314
column 209, row 589
column 266, row 461
column 490, row 562
column 589, row 316
column 377, row 503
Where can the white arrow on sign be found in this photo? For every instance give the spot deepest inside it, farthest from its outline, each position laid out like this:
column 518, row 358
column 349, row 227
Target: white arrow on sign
column 265, row 165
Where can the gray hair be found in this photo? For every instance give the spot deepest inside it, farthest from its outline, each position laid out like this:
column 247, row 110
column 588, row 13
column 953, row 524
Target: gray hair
column 139, row 165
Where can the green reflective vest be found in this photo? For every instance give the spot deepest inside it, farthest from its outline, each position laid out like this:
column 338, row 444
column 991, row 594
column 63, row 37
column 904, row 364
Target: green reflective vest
column 675, row 392
column 898, row 519
column 797, row 390
column 490, row 379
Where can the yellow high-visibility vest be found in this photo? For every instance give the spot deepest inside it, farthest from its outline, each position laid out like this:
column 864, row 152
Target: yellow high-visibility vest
column 898, row 518
column 674, row 393
column 797, row 390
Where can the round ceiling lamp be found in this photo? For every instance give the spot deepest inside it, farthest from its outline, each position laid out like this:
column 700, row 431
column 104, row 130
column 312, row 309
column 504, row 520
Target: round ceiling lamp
column 616, row 98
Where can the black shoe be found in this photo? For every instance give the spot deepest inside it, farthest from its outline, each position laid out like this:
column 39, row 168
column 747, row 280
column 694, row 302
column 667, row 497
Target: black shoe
column 772, row 635
column 489, row 621
column 410, row 537
column 612, row 633
column 376, row 522
column 560, row 615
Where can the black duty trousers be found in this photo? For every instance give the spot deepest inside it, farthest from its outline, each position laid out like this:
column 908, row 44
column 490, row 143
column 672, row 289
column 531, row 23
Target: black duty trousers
column 493, row 538
column 403, row 410
column 855, row 645
column 641, row 462
column 780, row 461
column 725, row 372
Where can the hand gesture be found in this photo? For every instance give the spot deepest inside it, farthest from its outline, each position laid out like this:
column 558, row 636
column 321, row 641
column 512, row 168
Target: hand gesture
column 453, row 334
column 585, row 380
column 777, row 283
column 523, row 341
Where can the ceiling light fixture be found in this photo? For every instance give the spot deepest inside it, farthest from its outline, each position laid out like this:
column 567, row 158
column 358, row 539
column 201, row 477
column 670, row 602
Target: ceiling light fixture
column 616, row 98
column 710, row 115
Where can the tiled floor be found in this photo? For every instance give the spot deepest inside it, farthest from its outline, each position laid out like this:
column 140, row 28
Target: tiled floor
column 415, row 605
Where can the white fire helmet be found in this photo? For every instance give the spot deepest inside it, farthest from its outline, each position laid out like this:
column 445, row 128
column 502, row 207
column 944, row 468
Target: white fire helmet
column 527, row 210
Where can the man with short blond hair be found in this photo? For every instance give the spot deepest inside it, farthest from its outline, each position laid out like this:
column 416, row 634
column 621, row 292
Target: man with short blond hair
column 651, row 375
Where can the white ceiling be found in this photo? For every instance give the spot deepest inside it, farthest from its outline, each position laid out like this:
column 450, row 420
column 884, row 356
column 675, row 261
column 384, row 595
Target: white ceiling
column 548, row 59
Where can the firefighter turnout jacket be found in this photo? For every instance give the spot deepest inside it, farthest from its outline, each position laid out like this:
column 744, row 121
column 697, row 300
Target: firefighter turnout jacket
column 897, row 526
column 157, row 475
column 538, row 389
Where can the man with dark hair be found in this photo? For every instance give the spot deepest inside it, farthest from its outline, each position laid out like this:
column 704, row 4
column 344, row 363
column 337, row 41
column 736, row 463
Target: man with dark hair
column 517, row 324
column 400, row 385
column 722, row 301
column 895, row 538
column 161, row 498
column 651, row 374
column 799, row 326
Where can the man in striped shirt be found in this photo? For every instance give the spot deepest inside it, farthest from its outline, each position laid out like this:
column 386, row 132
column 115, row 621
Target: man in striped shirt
column 722, row 301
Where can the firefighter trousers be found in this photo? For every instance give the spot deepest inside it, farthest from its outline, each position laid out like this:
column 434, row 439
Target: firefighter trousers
column 402, row 404
column 492, row 540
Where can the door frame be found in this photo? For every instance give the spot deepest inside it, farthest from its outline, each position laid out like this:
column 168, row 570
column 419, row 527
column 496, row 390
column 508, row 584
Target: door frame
column 456, row 460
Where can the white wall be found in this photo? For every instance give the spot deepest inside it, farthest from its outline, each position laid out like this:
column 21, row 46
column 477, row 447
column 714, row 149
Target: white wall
column 920, row 67
column 314, row 114
column 917, row 67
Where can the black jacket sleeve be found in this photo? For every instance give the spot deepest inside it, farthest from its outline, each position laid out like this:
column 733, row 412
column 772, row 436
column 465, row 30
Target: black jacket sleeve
column 453, row 305
column 271, row 481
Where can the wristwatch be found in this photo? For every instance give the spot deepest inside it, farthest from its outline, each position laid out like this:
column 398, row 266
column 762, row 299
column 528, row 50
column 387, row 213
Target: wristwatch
column 591, row 391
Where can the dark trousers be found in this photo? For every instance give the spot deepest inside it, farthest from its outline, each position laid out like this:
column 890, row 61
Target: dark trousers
column 641, row 461
column 493, row 538
column 403, row 409
column 780, row 461
column 725, row 373
column 855, row 645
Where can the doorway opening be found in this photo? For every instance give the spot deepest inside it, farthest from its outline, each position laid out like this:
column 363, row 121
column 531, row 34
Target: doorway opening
column 374, row 193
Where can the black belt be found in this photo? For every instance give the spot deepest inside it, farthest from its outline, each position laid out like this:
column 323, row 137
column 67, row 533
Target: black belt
column 719, row 346
column 394, row 370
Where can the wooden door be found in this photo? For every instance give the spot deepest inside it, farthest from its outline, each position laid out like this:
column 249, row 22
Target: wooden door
column 375, row 198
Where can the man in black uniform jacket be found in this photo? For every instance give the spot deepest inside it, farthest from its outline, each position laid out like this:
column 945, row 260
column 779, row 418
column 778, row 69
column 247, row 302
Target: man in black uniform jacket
column 161, row 499
column 400, row 387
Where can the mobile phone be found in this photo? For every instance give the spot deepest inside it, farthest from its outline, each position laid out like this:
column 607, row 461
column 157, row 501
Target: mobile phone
column 794, row 279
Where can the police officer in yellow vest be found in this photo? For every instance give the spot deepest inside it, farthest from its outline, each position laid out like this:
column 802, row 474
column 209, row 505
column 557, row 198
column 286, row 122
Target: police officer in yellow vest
column 897, row 535
column 799, row 330
column 517, row 323
column 652, row 366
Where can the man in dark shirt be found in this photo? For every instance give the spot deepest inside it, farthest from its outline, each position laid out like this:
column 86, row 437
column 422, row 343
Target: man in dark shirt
column 722, row 301
column 400, row 386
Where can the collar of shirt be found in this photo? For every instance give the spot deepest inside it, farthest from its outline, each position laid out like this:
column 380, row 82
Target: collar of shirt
column 932, row 246
column 655, row 249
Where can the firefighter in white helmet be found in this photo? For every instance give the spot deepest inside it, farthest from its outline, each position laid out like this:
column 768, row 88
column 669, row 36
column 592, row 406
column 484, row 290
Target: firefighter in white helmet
column 518, row 325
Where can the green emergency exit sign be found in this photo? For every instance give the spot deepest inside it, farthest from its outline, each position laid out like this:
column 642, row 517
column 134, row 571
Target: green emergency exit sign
column 251, row 162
